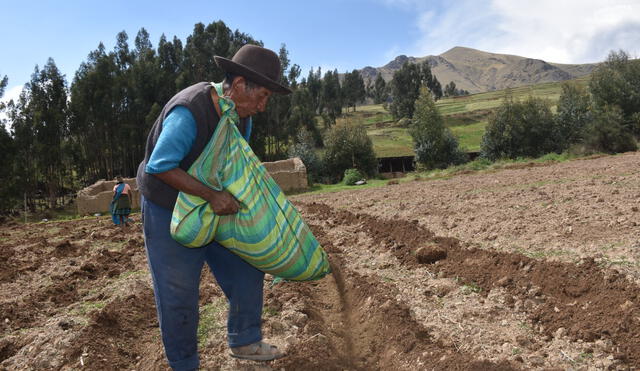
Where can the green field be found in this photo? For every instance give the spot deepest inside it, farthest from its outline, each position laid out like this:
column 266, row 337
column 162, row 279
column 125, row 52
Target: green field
column 466, row 116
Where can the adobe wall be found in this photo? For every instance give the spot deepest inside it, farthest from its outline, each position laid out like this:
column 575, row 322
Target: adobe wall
column 97, row 197
column 290, row 175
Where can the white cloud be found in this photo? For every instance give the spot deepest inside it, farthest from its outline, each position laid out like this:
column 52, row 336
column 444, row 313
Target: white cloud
column 566, row 31
column 12, row 93
column 459, row 23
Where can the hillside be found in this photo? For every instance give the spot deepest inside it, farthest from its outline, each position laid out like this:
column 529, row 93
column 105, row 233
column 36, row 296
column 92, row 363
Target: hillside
column 478, row 71
column 466, row 116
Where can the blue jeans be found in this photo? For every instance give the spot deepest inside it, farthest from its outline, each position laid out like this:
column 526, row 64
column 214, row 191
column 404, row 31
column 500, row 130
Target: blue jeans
column 176, row 269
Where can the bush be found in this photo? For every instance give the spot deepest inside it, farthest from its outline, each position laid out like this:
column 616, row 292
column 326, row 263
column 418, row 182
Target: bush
column 351, row 176
column 304, row 149
column 434, row 144
column 617, row 82
column 573, row 114
column 521, row 129
column 348, row 146
column 608, row 134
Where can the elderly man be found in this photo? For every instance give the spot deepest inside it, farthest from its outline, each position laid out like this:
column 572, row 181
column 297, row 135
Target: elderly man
column 178, row 137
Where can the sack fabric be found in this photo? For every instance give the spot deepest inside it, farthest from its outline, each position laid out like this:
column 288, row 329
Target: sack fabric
column 267, row 232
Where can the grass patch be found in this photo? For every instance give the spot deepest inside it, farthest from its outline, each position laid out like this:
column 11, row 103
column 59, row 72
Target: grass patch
column 328, row 188
column 391, row 142
column 211, row 319
column 470, row 288
column 86, row 307
column 469, row 136
column 478, row 165
column 525, row 326
column 115, row 245
column 125, row 275
column 267, row 311
column 542, row 254
column 585, row 356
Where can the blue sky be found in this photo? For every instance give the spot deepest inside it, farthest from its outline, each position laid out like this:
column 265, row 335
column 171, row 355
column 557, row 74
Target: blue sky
column 344, row 34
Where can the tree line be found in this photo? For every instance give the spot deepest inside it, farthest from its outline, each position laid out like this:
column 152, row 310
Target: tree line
column 60, row 137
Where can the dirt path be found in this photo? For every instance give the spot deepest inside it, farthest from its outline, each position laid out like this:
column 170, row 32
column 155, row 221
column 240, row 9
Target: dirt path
column 533, row 267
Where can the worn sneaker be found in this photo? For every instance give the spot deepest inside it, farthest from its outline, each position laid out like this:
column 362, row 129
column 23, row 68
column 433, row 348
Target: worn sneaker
column 259, row 351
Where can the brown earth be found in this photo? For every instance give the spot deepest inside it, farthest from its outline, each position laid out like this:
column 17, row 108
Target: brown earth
column 532, row 267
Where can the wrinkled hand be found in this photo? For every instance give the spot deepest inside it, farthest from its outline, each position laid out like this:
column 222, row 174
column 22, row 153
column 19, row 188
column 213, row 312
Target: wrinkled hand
column 223, row 203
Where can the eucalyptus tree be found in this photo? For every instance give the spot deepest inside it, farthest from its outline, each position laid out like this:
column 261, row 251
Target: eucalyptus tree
column 314, row 84
column 92, row 115
column 205, row 42
column 332, row 97
column 405, row 89
column 7, row 182
column 434, row 144
column 353, row 88
column 3, row 85
column 271, row 130
column 380, row 93
column 430, row 81
column 40, row 128
column 169, row 61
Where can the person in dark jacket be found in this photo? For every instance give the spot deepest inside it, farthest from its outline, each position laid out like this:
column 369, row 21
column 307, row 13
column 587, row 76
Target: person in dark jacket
column 179, row 135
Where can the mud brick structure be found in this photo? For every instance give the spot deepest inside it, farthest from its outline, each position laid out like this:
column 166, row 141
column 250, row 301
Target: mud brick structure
column 290, row 175
column 97, row 197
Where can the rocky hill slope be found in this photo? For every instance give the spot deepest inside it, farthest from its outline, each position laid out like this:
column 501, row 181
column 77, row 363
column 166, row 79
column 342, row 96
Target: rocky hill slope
column 478, row 71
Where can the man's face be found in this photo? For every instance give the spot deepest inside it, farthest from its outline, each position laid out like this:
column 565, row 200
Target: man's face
column 249, row 101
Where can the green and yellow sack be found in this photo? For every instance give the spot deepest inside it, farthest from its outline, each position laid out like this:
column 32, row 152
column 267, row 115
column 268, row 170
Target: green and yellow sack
column 267, row 232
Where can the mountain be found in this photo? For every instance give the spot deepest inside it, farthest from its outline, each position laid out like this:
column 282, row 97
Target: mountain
column 478, row 71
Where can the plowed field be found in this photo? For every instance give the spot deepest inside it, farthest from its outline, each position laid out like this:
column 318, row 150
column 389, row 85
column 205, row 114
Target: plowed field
column 532, row 267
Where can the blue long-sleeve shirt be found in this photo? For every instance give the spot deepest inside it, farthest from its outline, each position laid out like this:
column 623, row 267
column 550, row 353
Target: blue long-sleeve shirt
column 176, row 139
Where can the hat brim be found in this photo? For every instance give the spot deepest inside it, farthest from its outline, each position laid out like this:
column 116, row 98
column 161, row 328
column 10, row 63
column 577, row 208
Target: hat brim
column 237, row 69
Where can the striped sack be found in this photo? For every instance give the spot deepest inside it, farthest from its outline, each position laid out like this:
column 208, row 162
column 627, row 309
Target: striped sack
column 267, row 232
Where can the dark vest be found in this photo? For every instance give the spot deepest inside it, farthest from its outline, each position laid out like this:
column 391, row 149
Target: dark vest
column 197, row 98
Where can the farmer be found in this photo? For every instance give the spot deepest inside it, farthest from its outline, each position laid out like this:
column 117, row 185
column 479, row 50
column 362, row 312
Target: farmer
column 121, row 203
column 175, row 141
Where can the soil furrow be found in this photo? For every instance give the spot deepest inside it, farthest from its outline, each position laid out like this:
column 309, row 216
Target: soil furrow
column 582, row 300
column 356, row 323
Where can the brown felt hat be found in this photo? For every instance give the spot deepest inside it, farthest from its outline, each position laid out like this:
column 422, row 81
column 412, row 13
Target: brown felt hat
column 257, row 64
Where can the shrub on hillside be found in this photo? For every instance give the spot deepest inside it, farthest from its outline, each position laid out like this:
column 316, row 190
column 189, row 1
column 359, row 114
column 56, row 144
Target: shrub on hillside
column 607, row 132
column 304, row 149
column 520, row 129
column 617, row 82
column 434, row 144
column 348, row 146
column 351, row 176
column 573, row 114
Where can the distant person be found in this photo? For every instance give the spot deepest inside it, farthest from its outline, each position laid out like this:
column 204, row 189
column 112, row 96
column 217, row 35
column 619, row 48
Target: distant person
column 178, row 137
column 121, row 203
